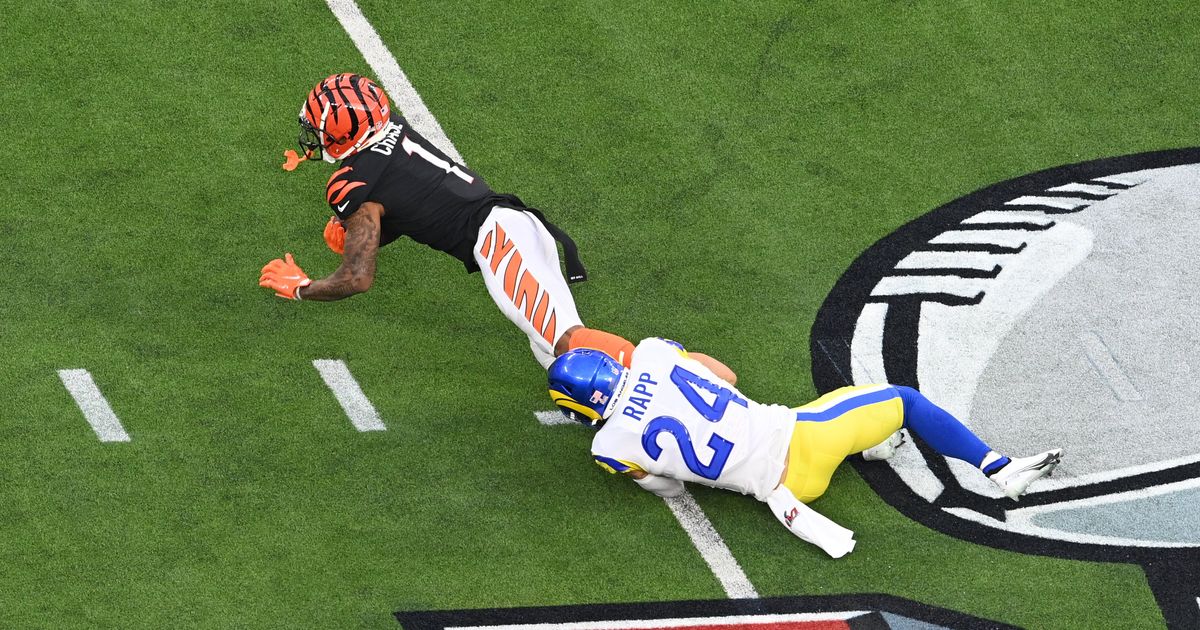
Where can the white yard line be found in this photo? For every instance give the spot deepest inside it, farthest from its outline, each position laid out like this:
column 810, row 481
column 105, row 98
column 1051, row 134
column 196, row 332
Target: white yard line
column 349, row 395
column 387, row 71
column 94, row 406
column 405, row 97
column 551, row 418
column 711, row 546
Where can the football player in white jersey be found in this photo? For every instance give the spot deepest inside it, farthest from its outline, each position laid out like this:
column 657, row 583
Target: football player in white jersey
column 670, row 417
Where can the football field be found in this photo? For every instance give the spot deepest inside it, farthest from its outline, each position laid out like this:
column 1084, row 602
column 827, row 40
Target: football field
column 720, row 165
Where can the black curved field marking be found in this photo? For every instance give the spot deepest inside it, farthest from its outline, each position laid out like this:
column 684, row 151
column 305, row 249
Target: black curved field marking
column 1173, row 573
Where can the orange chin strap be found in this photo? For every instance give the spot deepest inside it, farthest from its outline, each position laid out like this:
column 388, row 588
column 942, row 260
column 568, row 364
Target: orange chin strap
column 614, row 346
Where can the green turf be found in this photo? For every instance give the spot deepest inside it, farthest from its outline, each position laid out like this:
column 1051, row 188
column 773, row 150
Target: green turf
column 720, row 165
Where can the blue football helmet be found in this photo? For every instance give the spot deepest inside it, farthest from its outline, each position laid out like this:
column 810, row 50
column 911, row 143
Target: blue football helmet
column 583, row 383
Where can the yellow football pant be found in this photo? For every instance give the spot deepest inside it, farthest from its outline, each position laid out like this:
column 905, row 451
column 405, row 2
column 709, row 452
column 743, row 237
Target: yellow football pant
column 843, row 422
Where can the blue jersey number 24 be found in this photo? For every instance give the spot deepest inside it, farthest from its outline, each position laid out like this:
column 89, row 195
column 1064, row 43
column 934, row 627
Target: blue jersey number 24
column 688, row 384
column 720, row 446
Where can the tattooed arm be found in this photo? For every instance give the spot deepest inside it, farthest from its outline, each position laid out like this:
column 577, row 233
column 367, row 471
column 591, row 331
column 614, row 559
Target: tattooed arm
column 358, row 262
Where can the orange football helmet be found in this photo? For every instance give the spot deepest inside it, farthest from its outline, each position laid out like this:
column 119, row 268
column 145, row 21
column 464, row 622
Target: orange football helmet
column 342, row 114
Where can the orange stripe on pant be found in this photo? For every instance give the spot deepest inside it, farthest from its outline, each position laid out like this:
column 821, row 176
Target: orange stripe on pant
column 527, row 292
column 503, row 246
column 486, row 250
column 549, row 330
column 510, row 275
column 539, row 315
column 524, row 294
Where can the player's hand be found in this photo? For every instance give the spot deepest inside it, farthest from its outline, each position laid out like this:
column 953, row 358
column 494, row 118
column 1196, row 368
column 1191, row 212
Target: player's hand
column 335, row 235
column 284, row 277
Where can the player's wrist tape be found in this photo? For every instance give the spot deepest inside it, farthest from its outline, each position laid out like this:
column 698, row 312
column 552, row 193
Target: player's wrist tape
column 664, row 487
column 296, row 293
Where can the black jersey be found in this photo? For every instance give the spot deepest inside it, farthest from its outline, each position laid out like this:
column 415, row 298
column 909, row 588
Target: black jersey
column 426, row 196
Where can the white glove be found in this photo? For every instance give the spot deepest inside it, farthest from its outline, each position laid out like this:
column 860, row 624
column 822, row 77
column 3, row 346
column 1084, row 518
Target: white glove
column 809, row 525
column 664, row 487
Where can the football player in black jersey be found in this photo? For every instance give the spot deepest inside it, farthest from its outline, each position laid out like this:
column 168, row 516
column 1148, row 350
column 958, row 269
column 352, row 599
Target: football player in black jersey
column 392, row 182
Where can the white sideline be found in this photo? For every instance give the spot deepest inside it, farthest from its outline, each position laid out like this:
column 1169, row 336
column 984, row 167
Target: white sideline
column 387, row 71
column 94, row 406
column 397, row 85
column 676, row 622
column 349, row 395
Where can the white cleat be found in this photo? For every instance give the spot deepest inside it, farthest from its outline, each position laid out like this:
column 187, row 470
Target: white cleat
column 1019, row 472
column 885, row 449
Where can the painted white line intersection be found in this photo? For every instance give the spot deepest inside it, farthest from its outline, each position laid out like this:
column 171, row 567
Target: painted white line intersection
column 94, row 405
column 349, row 395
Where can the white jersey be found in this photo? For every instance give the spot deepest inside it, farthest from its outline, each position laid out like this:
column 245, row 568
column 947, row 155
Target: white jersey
column 674, row 417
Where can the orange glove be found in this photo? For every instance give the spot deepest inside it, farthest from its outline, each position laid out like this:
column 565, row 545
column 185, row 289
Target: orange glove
column 285, row 277
column 335, row 235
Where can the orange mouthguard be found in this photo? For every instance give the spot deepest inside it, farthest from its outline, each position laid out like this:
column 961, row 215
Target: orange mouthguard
column 293, row 160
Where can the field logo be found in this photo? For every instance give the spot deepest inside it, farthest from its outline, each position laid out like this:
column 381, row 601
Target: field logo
column 835, row 612
column 1058, row 309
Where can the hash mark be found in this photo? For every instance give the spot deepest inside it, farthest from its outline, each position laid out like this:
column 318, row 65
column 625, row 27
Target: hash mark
column 94, row 405
column 349, row 395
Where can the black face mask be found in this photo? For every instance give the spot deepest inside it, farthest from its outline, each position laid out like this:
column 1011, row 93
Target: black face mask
column 309, row 140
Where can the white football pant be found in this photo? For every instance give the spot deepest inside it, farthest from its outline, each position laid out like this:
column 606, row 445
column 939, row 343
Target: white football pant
column 519, row 261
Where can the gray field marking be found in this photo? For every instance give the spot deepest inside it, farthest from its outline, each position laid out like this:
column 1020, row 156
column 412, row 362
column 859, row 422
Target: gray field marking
column 349, row 395
column 94, row 406
column 1102, row 359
